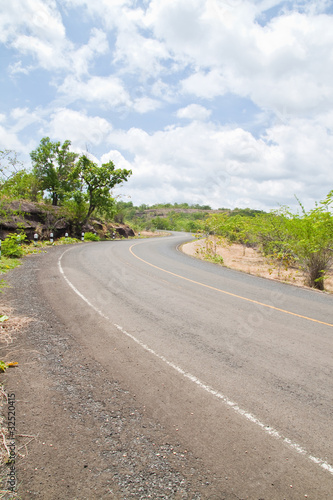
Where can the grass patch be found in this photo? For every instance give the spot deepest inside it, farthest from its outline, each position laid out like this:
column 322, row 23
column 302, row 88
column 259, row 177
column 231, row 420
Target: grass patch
column 7, row 263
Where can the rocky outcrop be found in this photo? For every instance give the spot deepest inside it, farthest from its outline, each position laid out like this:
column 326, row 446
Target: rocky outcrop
column 41, row 219
column 32, row 218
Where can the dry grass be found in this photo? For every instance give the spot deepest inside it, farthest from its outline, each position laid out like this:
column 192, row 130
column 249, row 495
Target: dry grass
column 250, row 261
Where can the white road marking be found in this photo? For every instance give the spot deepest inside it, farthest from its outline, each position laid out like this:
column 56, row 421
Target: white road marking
column 266, row 428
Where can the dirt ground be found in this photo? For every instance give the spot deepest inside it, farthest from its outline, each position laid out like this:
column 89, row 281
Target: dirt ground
column 250, row 261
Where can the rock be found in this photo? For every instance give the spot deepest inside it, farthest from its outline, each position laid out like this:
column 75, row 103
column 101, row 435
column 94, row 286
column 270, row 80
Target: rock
column 124, row 231
column 44, row 219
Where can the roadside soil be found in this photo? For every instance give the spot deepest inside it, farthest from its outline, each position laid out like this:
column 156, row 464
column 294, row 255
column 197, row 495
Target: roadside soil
column 80, row 433
column 250, row 261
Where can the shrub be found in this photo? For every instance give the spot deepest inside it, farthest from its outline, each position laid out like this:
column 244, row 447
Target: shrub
column 67, row 241
column 12, row 245
column 91, row 237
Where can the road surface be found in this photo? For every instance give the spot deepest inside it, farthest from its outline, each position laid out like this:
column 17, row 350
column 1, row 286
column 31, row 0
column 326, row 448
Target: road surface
column 151, row 374
column 240, row 367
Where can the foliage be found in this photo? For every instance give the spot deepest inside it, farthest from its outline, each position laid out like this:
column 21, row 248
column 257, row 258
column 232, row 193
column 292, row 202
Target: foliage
column 6, row 264
column 53, row 164
column 235, row 228
column 96, row 183
column 15, row 181
column 75, row 209
column 247, row 212
column 176, row 217
column 21, row 185
column 91, row 237
column 67, row 241
column 12, row 245
column 303, row 239
column 209, row 251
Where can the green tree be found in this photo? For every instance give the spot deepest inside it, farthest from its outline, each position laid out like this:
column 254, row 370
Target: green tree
column 53, row 164
column 15, row 180
column 96, row 183
column 310, row 238
column 21, row 185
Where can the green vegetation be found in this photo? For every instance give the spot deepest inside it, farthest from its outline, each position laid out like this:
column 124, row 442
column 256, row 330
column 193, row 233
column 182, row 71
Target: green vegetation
column 167, row 217
column 95, row 183
column 91, row 237
column 12, row 245
column 52, row 167
column 304, row 239
column 83, row 188
column 59, row 177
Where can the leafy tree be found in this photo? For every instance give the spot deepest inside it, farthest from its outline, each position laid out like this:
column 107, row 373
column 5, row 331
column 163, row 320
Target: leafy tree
column 15, row 181
column 96, row 183
column 21, row 185
column 53, row 164
column 310, row 238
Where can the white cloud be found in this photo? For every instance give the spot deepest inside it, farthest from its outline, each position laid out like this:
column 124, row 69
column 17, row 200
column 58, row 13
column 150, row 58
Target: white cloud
column 284, row 64
column 79, row 128
column 194, row 112
column 106, row 90
column 23, row 117
column 10, row 140
column 147, row 60
column 145, row 105
column 40, row 18
column 117, row 158
column 107, row 11
column 34, row 28
column 38, row 31
column 206, row 85
column 221, row 166
column 140, row 54
column 82, row 57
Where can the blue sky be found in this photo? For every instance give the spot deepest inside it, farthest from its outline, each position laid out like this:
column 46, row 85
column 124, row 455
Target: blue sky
column 219, row 102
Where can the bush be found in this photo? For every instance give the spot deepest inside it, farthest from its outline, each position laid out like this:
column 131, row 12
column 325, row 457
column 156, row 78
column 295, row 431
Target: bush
column 12, row 245
column 91, row 237
column 67, row 241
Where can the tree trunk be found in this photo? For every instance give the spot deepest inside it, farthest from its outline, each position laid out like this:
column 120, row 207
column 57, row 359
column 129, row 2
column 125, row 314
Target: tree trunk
column 54, row 199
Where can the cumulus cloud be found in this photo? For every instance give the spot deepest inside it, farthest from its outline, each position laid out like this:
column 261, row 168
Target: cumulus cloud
column 9, row 140
column 280, row 65
column 83, row 56
column 81, row 129
column 221, row 166
column 176, row 76
column 194, row 112
column 106, row 90
column 34, row 28
column 41, row 19
column 38, row 32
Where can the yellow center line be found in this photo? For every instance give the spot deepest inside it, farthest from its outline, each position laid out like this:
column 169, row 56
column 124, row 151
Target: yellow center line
column 228, row 293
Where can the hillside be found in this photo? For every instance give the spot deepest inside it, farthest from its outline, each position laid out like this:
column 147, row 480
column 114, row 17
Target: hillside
column 43, row 219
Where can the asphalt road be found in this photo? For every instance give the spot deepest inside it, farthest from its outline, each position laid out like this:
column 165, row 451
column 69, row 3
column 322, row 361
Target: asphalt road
column 239, row 368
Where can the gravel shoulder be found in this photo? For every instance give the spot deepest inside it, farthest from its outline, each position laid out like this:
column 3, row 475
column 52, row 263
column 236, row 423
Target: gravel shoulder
column 80, row 434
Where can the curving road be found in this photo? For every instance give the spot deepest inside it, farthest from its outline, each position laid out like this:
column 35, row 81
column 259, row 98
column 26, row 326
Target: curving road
column 239, row 368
